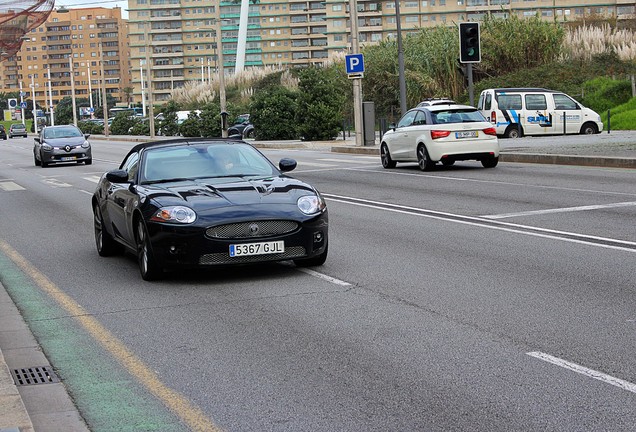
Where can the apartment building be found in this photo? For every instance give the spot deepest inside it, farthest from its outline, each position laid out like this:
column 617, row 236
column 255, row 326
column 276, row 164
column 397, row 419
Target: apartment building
column 75, row 34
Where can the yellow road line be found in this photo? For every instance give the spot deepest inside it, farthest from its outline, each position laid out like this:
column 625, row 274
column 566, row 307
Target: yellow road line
column 177, row 403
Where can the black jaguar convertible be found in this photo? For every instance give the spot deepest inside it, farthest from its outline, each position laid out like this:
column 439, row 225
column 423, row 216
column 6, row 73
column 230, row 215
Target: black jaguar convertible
column 207, row 202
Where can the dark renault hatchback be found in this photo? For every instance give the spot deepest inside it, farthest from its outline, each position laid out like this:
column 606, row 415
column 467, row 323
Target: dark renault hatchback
column 207, row 203
column 61, row 144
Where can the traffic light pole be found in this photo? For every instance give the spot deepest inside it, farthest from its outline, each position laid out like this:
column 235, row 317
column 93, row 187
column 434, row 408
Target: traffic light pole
column 471, row 89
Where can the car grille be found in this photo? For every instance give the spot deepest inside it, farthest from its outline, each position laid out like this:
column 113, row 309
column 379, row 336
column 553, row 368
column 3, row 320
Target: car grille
column 252, row 229
column 224, row 258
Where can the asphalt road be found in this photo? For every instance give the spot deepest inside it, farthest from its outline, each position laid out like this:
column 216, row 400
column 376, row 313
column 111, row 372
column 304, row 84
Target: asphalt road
column 459, row 299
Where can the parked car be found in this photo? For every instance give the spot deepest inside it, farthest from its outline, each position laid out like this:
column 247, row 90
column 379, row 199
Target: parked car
column 3, row 132
column 436, row 101
column 205, row 203
column 61, row 144
column 17, row 129
column 516, row 112
column 440, row 133
column 242, row 127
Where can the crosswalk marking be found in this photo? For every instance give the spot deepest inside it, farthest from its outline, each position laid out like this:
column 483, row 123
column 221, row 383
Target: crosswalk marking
column 10, row 186
column 94, row 179
column 56, row 183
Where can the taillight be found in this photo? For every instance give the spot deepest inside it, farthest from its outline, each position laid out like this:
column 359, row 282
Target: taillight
column 439, row 134
column 493, row 117
column 490, row 131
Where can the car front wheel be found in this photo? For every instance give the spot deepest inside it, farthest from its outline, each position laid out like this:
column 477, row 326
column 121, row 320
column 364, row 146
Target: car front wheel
column 423, row 160
column 387, row 162
column 105, row 243
column 148, row 266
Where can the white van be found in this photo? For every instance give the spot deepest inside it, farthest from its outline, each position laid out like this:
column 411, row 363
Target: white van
column 535, row 111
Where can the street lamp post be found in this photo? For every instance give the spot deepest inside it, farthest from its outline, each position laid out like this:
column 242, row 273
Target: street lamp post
column 398, row 20
column 143, row 93
column 90, row 91
column 151, row 114
column 104, row 100
column 35, row 109
column 219, row 38
column 22, row 103
column 50, row 98
column 70, row 65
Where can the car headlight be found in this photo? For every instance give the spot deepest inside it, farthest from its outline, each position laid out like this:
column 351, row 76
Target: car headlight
column 86, row 144
column 175, row 214
column 310, row 204
column 46, row 147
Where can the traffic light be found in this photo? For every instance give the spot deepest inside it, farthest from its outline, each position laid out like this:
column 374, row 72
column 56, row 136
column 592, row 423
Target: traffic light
column 469, row 44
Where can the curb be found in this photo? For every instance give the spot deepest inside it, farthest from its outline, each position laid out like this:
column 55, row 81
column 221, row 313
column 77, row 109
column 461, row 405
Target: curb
column 596, row 161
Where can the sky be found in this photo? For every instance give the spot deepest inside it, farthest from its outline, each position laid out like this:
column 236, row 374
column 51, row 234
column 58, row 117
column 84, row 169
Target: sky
column 93, row 3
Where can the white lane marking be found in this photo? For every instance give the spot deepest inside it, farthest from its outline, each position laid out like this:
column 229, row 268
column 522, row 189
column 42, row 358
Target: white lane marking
column 86, row 192
column 347, row 161
column 394, row 172
column 487, row 223
column 56, row 183
column 323, row 276
column 10, row 186
column 94, row 179
column 625, row 385
column 302, row 163
column 560, row 210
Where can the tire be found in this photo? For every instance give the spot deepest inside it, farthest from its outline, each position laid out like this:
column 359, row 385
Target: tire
column 318, row 260
column 233, row 132
column 385, row 156
column 248, row 132
column 448, row 162
column 35, row 160
column 589, row 129
column 88, row 162
column 490, row 162
column 105, row 243
column 513, row 132
column 148, row 266
column 42, row 163
column 423, row 160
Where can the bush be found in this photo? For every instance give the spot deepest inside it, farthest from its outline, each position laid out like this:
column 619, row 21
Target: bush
column 604, row 93
column 92, row 128
column 623, row 117
column 122, row 123
column 191, row 127
column 273, row 114
column 320, row 104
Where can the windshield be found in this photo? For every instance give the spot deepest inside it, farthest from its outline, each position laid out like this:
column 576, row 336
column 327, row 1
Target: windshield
column 62, row 132
column 206, row 160
column 457, row 116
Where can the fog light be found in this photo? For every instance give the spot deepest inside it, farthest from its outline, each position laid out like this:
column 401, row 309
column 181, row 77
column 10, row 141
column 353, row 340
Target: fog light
column 318, row 237
column 173, row 249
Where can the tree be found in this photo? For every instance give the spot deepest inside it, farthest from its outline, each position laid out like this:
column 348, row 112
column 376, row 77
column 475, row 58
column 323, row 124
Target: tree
column 273, row 113
column 320, row 104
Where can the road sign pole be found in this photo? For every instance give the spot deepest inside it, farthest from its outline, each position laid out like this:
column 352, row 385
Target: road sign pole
column 22, row 103
column 357, row 83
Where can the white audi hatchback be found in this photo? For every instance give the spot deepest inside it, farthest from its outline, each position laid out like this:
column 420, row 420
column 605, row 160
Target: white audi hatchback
column 440, row 133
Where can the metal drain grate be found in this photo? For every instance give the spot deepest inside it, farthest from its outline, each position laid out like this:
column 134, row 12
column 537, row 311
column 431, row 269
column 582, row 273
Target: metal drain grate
column 34, row 375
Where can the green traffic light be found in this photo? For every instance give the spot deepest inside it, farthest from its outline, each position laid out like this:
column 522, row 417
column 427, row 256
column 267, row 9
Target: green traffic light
column 471, row 51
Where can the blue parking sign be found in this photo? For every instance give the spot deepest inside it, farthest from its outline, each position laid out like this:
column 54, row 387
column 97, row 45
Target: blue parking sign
column 354, row 63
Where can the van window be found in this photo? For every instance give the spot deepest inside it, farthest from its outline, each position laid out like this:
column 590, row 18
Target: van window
column 536, row 102
column 509, row 101
column 488, row 103
column 563, row 102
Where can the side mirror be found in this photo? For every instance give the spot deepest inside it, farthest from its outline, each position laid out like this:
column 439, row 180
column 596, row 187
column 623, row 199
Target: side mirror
column 117, row 176
column 392, row 126
column 86, row 136
column 37, row 139
column 287, row 164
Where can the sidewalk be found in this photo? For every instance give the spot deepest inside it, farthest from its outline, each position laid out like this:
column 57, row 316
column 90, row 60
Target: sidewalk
column 50, row 407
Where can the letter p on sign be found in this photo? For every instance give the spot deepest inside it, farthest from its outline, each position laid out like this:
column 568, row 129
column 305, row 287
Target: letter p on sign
column 354, row 63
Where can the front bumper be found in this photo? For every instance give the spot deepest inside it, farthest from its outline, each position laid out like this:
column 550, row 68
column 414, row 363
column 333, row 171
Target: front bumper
column 189, row 246
column 77, row 154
